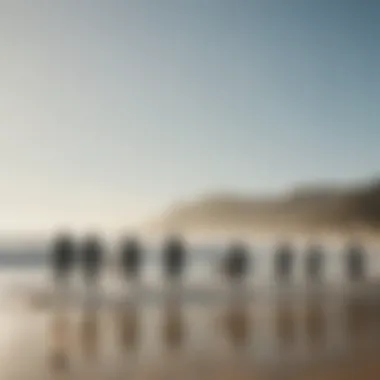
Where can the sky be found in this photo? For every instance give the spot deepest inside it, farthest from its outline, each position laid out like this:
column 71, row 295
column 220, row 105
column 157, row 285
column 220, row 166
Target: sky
column 110, row 111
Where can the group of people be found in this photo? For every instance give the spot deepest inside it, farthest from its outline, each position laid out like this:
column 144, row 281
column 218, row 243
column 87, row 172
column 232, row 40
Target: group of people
column 236, row 264
column 90, row 255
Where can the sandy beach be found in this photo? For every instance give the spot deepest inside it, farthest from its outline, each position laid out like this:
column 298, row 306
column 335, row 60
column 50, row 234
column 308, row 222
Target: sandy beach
column 314, row 338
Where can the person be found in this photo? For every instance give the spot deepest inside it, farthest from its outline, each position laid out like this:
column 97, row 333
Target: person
column 174, row 257
column 92, row 254
column 355, row 262
column 314, row 262
column 131, row 257
column 236, row 261
column 63, row 256
column 283, row 262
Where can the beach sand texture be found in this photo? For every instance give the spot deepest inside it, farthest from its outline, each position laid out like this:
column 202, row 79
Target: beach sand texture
column 315, row 338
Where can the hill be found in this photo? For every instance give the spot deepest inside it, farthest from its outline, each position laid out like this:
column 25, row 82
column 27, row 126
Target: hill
column 306, row 208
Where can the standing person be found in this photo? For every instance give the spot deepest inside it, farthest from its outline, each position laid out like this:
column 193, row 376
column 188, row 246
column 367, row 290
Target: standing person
column 131, row 257
column 283, row 262
column 314, row 262
column 174, row 256
column 355, row 262
column 236, row 265
column 63, row 257
column 92, row 258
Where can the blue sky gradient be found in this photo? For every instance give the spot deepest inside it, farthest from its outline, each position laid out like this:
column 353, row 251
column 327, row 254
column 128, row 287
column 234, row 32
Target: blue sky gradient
column 111, row 110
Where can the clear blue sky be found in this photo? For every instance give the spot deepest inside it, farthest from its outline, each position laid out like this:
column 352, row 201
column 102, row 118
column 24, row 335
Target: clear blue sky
column 111, row 110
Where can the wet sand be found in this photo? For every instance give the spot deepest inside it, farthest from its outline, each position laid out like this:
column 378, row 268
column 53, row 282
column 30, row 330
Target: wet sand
column 317, row 337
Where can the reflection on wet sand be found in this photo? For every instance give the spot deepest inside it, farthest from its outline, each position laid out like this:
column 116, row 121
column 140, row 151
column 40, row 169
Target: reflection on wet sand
column 128, row 326
column 284, row 325
column 358, row 320
column 90, row 333
column 59, row 341
column 315, row 323
column 310, row 329
column 375, row 316
column 237, row 325
column 173, row 328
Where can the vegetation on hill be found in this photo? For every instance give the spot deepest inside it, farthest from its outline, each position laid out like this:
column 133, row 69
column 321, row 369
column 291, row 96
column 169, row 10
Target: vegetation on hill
column 303, row 208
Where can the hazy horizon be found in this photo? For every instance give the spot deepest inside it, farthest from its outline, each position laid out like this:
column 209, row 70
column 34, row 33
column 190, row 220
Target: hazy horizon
column 112, row 111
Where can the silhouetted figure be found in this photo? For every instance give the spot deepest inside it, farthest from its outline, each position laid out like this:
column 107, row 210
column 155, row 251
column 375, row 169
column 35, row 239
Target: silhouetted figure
column 63, row 256
column 92, row 255
column 174, row 258
column 283, row 263
column 355, row 262
column 236, row 264
column 131, row 257
column 314, row 262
